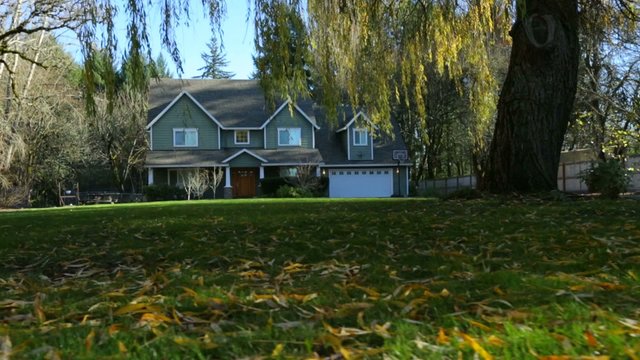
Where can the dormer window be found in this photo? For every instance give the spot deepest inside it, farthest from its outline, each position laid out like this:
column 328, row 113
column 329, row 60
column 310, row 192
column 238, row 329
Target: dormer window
column 241, row 137
column 185, row 137
column 289, row 137
column 360, row 137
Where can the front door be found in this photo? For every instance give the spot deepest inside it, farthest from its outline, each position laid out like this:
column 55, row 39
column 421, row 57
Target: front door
column 243, row 182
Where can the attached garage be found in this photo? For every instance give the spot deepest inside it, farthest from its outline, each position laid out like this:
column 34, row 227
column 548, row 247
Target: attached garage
column 360, row 183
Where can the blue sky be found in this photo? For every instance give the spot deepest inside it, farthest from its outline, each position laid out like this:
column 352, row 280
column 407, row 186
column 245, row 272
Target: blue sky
column 237, row 39
column 192, row 40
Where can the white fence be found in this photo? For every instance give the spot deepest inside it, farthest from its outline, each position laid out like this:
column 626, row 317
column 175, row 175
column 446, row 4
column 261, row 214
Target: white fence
column 568, row 179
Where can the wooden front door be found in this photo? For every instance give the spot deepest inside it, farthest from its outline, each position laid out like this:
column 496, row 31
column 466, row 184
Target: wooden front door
column 243, row 181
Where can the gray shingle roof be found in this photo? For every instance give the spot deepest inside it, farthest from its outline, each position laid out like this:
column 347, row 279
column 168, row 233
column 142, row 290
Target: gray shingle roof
column 235, row 103
column 334, row 153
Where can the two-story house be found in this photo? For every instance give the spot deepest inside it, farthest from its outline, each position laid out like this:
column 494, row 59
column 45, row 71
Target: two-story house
column 225, row 123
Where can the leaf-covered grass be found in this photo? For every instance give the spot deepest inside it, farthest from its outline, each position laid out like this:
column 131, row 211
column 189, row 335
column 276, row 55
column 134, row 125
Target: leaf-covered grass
column 323, row 279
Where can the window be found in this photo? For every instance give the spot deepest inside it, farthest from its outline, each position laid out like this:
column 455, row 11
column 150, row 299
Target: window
column 288, row 172
column 360, row 137
column 185, row 137
column 289, row 137
column 242, row 136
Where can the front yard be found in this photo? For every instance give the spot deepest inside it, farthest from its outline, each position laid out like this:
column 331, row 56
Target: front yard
column 323, row 279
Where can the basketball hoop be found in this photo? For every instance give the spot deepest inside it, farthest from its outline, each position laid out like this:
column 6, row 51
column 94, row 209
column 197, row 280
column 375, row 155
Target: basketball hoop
column 400, row 155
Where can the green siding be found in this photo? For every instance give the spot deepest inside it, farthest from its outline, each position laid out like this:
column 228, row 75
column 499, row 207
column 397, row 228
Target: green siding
column 256, row 139
column 400, row 180
column 244, row 160
column 184, row 114
column 359, row 152
column 283, row 120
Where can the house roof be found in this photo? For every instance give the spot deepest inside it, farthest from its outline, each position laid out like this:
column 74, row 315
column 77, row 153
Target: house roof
column 208, row 158
column 333, row 152
column 185, row 158
column 234, row 103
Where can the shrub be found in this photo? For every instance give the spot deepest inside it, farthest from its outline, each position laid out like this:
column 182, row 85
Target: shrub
column 287, row 191
column 162, row 192
column 271, row 185
column 609, row 178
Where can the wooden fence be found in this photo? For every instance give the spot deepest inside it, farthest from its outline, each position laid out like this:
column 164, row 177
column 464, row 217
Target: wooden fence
column 568, row 179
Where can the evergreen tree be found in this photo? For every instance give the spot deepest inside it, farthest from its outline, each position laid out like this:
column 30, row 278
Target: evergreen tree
column 159, row 68
column 214, row 62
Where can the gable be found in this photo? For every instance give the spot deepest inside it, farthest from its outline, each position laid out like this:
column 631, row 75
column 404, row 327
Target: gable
column 183, row 113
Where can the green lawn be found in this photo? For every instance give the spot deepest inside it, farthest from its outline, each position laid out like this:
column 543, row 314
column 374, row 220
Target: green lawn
column 325, row 279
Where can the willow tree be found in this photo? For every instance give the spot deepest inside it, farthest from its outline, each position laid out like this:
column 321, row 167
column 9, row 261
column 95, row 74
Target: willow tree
column 360, row 44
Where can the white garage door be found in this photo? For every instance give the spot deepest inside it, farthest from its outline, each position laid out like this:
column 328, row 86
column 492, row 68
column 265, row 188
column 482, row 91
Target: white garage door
column 360, row 183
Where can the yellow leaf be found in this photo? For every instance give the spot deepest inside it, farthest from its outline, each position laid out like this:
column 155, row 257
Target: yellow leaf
column 479, row 325
column 121, row 347
column 476, row 346
column 113, row 329
column 382, row 330
column 277, row 350
column 495, row 341
column 631, row 354
column 37, row 308
column 185, row 341
column 373, row 294
column 444, row 293
column 88, row 341
column 137, row 308
column 345, row 353
column 190, row 292
column 442, row 337
column 253, row 274
column 294, row 267
column 155, row 318
column 555, row 357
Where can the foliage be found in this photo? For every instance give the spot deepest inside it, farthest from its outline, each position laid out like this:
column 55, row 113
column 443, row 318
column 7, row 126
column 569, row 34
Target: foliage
column 159, row 68
column 610, row 178
column 315, row 278
column 214, row 62
column 283, row 54
column 162, row 192
column 42, row 135
column 119, row 135
column 288, row 191
column 607, row 116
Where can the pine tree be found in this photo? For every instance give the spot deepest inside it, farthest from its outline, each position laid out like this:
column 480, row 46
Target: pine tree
column 214, row 62
column 159, row 68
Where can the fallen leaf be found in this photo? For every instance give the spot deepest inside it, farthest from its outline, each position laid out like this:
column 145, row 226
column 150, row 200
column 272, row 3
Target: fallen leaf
column 121, row 347
column 442, row 337
column 277, row 350
column 591, row 339
column 137, row 308
column 88, row 341
column 476, row 346
column 6, row 348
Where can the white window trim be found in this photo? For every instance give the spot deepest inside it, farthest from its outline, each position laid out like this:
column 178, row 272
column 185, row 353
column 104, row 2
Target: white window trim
column 289, row 128
column 366, row 137
column 175, row 130
column 235, row 138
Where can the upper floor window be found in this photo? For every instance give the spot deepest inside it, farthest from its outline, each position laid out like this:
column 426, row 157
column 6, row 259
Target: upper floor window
column 360, row 137
column 241, row 137
column 187, row 137
column 289, row 137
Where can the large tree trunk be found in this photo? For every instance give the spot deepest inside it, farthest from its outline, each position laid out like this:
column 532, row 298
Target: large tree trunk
column 537, row 98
